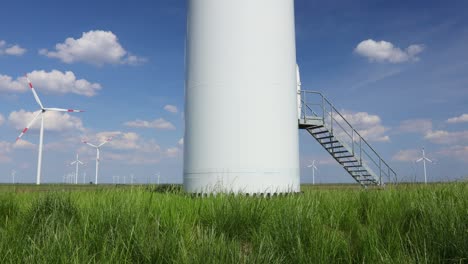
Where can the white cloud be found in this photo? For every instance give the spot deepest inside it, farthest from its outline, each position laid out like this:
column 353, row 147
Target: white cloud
column 382, row 51
column 7, row 84
column 96, row 47
column 171, row 108
column 181, row 142
column 458, row 119
column 54, row 121
column 446, row 137
column 62, row 82
column 8, row 49
column 126, row 141
column 369, row 126
column 415, row 126
column 130, row 147
column 157, row 123
column 24, row 144
column 457, row 152
column 407, row 155
column 5, row 149
column 2, row 119
column 173, row 152
column 52, row 82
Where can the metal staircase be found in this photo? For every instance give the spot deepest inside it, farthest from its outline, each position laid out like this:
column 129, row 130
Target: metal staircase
column 321, row 119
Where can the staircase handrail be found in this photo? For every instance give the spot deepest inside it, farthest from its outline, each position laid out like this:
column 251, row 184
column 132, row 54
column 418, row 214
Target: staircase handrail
column 324, row 101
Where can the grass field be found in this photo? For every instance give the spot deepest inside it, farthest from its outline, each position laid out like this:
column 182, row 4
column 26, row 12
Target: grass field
column 327, row 224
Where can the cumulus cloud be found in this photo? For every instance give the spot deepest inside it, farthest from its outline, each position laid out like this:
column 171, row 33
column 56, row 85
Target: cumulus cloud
column 447, row 137
column 128, row 147
column 96, row 47
column 157, row 123
column 126, row 141
column 7, row 84
column 458, row 119
column 54, row 121
column 415, row 126
column 5, row 148
column 51, row 82
column 2, row 119
column 171, row 108
column 384, row 51
column 8, row 49
column 369, row 126
column 459, row 152
column 173, row 152
column 406, row 155
column 24, row 144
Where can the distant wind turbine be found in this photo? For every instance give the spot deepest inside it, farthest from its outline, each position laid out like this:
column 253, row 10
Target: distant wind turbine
column 314, row 168
column 41, row 113
column 97, row 154
column 158, row 175
column 13, row 174
column 77, row 162
column 424, row 159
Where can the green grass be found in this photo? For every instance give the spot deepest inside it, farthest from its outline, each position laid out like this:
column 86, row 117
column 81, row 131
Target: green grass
column 408, row 224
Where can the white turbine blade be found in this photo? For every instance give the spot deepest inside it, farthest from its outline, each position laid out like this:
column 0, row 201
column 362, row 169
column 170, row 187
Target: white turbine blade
column 428, row 159
column 315, row 167
column 73, row 163
column 419, row 160
column 103, row 143
column 63, row 110
column 310, row 166
column 80, row 162
column 28, row 126
column 34, row 93
column 86, row 142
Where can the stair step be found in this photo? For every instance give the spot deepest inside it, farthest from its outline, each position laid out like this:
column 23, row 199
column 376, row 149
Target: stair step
column 334, row 147
column 324, row 137
column 367, row 180
column 338, row 152
column 348, row 161
column 321, row 132
column 351, row 171
column 358, row 177
column 346, row 156
column 353, row 166
column 330, row 142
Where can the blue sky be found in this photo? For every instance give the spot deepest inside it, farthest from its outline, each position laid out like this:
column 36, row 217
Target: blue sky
column 124, row 65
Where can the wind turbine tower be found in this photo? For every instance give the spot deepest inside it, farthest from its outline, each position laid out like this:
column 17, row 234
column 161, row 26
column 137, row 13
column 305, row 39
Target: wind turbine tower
column 77, row 162
column 314, row 168
column 40, row 114
column 424, row 159
column 158, row 175
column 13, row 174
column 98, row 147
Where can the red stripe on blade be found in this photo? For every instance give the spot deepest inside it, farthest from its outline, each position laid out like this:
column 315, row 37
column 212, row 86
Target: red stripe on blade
column 24, row 130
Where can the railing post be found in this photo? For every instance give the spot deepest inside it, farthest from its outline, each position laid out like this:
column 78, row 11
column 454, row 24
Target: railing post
column 331, row 119
column 352, row 139
column 380, row 171
column 360, row 149
column 388, row 171
column 323, row 109
column 303, row 104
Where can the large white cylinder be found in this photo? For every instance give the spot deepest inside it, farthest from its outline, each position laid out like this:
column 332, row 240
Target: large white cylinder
column 241, row 130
